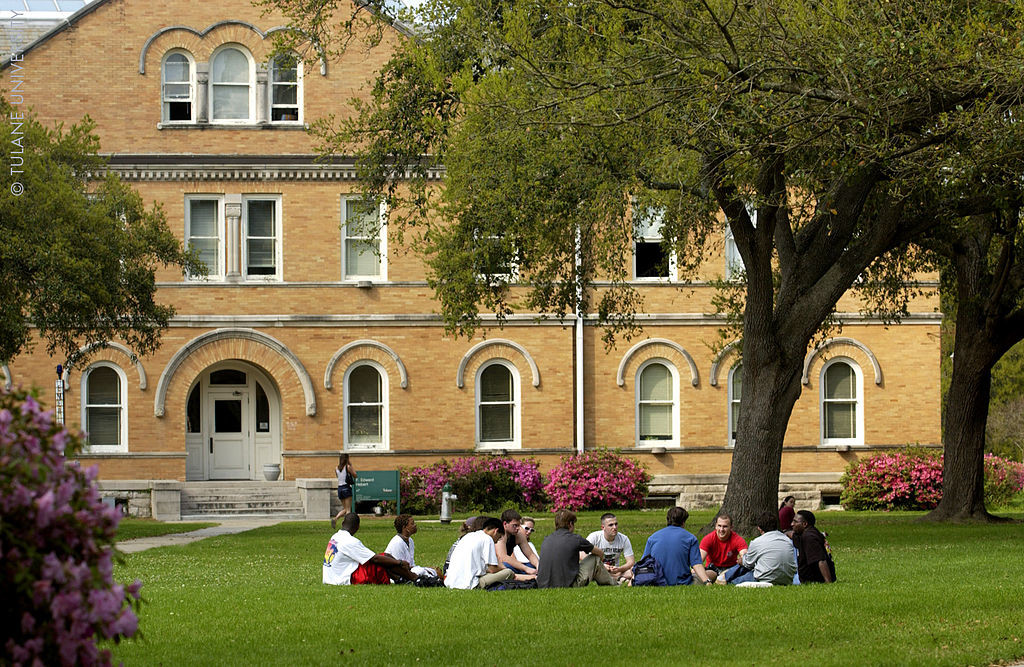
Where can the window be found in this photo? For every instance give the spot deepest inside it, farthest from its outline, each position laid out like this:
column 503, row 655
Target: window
column 262, row 410
column 495, row 258
column 231, row 89
column 228, row 376
column 103, row 407
column 261, row 227
column 204, row 230
column 734, row 268
column 842, row 416
column 657, row 405
column 366, row 415
column 651, row 258
column 178, row 88
column 285, row 79
column 497, row 400
column 364, row 240
column 194, row 411
column 735, row 396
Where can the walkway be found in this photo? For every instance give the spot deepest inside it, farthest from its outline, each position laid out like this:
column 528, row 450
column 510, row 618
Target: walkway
column 224, row 527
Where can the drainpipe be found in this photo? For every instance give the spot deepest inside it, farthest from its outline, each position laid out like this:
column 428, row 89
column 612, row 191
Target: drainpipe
column 579, row 345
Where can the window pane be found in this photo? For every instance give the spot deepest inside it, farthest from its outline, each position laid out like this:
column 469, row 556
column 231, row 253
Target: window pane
column 230, row 102
column 176, row 91
column 286, row 94
column 176, row 68
column 202, row 218
column 656, row 383
column 231, row 66
column 839, row 420
column 364, row 424
column 261, row 218
column 655, row 422
column 495, row 423
column 651, row 260
column 261, row 256
column 228, row 376
column 361, row 218
column 207, row 249
column 104, row 387
column 285, row 69
column 649, row 223
column 262, row 410
column 839, row 381
column 193, row 412
column 495, row 384
column 737, row 384
column 227, row 416
column 103, row 425
column 364, row 385
column 361, row 258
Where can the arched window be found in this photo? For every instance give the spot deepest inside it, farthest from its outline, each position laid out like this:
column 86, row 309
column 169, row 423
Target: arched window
column 657, row 405
column 735, row 396
column 285, row 89
column 231, row 75
column 103, row 407
column 842, row 411
column 497, row 405
column 366, row 409
column 178, row 89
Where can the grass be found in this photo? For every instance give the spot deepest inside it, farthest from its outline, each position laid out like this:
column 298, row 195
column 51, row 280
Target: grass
column 130, row 529
column 910, row 593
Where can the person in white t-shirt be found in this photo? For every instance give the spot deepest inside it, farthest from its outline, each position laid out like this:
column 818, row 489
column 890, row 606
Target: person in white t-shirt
column 618, row 552
column 474, row 562
column 348, row 561
column 403, row 548
column 527, row 527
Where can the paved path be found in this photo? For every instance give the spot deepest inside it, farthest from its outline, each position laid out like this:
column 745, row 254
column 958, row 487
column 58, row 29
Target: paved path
column 224, row 527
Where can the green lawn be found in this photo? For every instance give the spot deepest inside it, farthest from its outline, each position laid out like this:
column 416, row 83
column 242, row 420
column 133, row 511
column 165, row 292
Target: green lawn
column 909, row 593
column 130, row 529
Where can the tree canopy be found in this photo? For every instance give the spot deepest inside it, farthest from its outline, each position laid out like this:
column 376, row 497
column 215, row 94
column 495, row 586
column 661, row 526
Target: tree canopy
column 77, row 255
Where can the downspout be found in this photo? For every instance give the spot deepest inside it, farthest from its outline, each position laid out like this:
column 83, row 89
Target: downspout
column 578, row 357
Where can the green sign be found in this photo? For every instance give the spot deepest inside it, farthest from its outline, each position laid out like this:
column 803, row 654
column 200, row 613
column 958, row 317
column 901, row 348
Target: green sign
column 377, row 485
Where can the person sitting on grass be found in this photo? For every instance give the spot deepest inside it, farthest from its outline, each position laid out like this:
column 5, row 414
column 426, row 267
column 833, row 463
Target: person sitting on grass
column 721, row 548
column 769, row 559
column 348, row 561
column 403, row 548
column 528, row 526
column 511, row 523
column 616, row 547
column 468, row 526
column 560, row 564
column 677, row 551
column 474, row 563
column 813, row 561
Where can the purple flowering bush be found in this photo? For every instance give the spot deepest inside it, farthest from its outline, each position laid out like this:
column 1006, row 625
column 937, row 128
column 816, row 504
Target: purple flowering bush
column 480, row 482
column 912, row 480
column 596, row 480
column 56, row 547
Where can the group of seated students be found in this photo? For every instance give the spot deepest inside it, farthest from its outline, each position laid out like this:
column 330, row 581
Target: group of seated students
column 492, row 550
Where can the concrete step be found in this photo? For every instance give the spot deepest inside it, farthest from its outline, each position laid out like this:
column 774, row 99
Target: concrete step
column 210, row 500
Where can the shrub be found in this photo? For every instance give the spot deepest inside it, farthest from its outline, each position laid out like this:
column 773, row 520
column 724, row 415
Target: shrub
column 597, row 480
column 1004, row 479
column 56, row 547
column 480, row 482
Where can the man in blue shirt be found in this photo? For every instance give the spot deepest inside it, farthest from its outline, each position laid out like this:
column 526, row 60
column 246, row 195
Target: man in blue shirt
column 677, row 550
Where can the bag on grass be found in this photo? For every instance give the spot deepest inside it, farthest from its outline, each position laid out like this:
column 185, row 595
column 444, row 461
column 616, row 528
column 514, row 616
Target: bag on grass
column 513, row 585
column 648, row 572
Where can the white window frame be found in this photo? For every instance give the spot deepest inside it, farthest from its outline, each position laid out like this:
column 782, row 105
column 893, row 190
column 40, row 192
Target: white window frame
column 734, row 402
column 657, row 215
column 298, row 91
column 278, row 270
column 734, row 267
column 511, row 276
column 218, row 272
column 382, row 242
column 383, row 445
column 165, row 101
column 250, row 86
column 858, row 400
column 516, row 441
column 123, row 407
column 674, row 440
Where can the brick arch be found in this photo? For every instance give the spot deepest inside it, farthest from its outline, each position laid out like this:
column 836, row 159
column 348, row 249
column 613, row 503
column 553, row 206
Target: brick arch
column 730, row 351
column 506, row 349
column 848, row 347
column 657, row 347
column 255, row 347
column 370, row 349
column 113, row 347
column 8, row 380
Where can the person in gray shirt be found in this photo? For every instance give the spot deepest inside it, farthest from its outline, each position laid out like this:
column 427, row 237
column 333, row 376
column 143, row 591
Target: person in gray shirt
column 769, row 557
column 560, row 564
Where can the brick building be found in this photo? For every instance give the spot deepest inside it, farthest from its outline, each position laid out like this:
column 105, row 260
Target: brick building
column 315, row 331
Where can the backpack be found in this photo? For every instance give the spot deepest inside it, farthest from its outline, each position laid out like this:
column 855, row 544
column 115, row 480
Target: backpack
column 513, row 585
column 648, row 572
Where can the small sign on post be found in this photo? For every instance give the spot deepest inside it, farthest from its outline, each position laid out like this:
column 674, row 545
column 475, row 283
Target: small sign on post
column 377, row 485
column 58, row 394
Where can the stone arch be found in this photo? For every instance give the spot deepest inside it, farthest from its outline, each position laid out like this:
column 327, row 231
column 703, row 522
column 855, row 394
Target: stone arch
column 107, row 345
column 246, row 344
column 840, row 341
column 7, row 377
column 620, row 376
column 460, row 374
column 345, row 349
column 730, row 350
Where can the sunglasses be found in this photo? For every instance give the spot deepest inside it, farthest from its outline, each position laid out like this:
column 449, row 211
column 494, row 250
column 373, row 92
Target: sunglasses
column 529, row 530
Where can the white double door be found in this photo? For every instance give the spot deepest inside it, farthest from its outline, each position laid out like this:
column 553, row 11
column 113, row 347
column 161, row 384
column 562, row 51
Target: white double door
column 230, row 433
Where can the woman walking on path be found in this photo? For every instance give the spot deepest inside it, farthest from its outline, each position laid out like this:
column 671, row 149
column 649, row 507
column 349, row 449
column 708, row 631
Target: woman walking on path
column 346, row 475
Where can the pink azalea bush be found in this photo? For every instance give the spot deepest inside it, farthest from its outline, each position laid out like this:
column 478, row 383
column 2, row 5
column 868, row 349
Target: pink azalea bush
column 480, row 482
column 57, row 591
column 597, row 480
column 912, row 480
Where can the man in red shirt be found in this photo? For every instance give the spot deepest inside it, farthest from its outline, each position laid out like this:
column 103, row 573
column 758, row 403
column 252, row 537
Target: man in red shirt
column 722, row 548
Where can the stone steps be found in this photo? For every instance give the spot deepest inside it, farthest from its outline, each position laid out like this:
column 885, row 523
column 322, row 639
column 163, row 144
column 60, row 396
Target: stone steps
column 208, row 500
